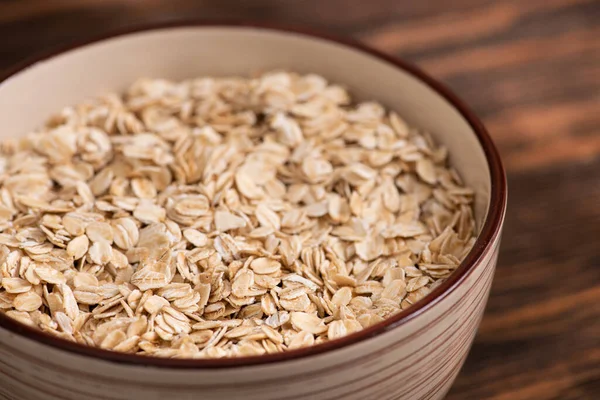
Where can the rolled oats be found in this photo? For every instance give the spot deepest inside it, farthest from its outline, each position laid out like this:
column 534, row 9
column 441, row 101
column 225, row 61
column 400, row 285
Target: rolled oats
column 223, row 217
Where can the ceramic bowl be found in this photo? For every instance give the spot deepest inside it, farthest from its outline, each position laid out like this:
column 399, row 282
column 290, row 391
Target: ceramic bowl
column 414, row 355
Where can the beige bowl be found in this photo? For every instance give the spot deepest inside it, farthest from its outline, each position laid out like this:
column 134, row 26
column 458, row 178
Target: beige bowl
column 414, row 355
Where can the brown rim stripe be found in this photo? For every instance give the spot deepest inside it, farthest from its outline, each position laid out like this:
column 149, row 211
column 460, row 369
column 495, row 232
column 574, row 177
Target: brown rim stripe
column 488, row 234
column 480, row 296
column 462, row 331
column 374, row 355
column 338, row 367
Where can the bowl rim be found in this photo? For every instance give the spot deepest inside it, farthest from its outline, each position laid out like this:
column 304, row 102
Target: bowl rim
column 483, row 246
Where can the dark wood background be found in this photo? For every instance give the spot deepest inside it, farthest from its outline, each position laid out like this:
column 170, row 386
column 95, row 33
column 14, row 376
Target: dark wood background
column 531, row 70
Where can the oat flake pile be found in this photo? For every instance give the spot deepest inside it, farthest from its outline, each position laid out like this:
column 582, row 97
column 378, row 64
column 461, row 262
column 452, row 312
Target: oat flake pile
column 222, row 217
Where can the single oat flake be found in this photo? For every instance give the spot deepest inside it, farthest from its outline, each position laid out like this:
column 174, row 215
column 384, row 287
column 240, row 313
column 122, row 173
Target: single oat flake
column 225, row 217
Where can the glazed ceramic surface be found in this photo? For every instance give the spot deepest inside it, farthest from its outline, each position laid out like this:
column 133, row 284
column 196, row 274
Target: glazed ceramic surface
column 414, row 355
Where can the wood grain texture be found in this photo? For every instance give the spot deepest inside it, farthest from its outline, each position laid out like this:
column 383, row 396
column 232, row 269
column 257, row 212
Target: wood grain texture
column 531, row 70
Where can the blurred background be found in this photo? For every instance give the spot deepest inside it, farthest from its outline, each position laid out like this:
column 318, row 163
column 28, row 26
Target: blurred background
column 531, row 71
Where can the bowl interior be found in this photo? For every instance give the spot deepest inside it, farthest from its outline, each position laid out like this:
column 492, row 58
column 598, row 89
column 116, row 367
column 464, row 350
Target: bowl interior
column 30, row 96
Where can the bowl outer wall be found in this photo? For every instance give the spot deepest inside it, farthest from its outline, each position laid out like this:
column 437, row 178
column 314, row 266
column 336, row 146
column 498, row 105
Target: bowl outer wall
column 484, row 251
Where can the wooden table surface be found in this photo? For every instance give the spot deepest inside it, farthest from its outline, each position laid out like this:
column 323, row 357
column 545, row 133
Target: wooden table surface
column 531, row 70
